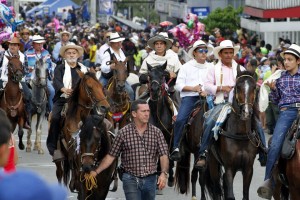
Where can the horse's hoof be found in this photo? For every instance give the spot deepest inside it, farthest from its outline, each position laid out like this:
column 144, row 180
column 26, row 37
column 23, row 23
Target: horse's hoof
column 35, row 148
column 194, row 198
column 28, row 149
column 170, row 183
column 40, row 151
column 21, row 146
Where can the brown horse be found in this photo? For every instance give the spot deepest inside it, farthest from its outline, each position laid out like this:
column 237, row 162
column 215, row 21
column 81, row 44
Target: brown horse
column 94, row 144
column 87, row 95
column 119, row 113
column 237, row 145
column 12, row 100
column 190, row 144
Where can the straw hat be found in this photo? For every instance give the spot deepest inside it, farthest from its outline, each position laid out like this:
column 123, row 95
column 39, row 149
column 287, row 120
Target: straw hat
column 71, row 45
column 156, row 38
column 16, row 40
column 198, row 44
column 65, row 32
column 38, row 39
column 293, row 49
column 225, row 44
column 115, row 37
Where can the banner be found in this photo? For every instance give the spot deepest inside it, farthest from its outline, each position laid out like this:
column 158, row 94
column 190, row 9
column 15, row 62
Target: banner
column 106, row 7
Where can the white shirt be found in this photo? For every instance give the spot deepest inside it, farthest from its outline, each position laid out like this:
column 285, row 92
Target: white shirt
column 106, row 57
column 100, row 52
column 4, row 71
column 191, row 74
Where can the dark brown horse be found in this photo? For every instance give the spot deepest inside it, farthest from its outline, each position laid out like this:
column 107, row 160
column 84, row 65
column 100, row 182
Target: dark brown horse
column 92, row 147
column 12, row 100
column 160, row 107
column 87, row 95
column 238, row 143
column 119, row 113
column 190, row 144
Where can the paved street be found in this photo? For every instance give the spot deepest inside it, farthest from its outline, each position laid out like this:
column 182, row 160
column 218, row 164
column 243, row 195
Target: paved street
column 42, row 165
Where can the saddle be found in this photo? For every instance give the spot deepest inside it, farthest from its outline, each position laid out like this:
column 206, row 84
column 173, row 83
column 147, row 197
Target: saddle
column 195, row 111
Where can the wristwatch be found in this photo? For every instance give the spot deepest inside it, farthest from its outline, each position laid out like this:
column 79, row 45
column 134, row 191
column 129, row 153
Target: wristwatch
column 166, row 173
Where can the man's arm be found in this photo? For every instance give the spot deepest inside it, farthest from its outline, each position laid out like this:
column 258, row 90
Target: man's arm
column 162, row 179
column 106, row 162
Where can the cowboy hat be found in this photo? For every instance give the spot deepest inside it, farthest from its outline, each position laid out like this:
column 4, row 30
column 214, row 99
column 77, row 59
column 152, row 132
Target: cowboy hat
column 225, row 44
column 16, row 40
column 65, row 32
column 71, row 45
column 156, row 38
column 115, row 37
column 197, row 44
column 38, row 39
column 293, row 49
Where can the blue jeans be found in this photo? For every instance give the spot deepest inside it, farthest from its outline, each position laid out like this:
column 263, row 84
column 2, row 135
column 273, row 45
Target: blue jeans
column 284, row 122
column 136, row 188
column 51, row 95
column 186, row 107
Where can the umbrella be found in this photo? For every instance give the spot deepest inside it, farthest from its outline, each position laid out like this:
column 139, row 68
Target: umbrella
column 166, row 23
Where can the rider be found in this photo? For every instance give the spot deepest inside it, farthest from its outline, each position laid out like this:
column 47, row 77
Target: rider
column 65, row 79
column 190, row 83
column 161, row 54
column 285, row 93
column 115, row 43
column 37, row 52
column 64, row 40
column 220, row 82
column 14, row 50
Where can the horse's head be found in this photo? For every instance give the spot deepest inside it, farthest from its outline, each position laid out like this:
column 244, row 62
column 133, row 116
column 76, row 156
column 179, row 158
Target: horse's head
column 157, row 79
column 40, row 78
column 15, row 68
column 121, row 73
column 91, row 92
column 245, row 91
column 90, row 141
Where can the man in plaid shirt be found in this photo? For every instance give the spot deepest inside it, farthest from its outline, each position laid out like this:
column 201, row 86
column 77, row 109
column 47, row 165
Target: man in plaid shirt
column 140, row 145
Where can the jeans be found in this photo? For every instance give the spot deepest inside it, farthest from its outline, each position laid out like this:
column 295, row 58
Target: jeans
column 284, row 122
column 51, row 95
column 186, row 107
column 136, row 188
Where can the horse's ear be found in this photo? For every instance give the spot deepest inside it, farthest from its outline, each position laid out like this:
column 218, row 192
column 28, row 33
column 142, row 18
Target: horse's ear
column 149, row 67
column 92, row 69
column 164, row 66
column 238, row 69
column 80, row 73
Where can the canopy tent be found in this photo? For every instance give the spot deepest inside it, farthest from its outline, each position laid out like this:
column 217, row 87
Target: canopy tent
column 128, row 23
column 56, row 6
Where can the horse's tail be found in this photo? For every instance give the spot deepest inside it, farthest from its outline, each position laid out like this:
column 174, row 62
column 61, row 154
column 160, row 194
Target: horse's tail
column 182, row 174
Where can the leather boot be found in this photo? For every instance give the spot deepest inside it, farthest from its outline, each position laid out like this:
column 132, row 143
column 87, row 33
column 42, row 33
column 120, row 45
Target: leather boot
column 265, row 190
column 201, row 161
column 175, row 155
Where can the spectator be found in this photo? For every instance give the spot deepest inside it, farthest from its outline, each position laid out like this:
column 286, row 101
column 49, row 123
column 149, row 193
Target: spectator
column 5, row 135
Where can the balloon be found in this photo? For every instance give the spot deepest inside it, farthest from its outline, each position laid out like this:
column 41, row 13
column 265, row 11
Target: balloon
column 12, row 11
column 2, row 24
column 190, row 24
column 7, row 16
column 4, row 2
column 4, row 36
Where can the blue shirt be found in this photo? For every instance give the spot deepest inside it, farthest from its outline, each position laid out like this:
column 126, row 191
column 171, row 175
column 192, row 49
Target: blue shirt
column 287, row 89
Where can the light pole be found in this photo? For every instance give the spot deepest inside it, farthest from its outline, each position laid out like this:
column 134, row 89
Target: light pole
column 93, row 11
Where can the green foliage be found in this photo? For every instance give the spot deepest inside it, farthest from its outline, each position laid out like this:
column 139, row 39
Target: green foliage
column 227, row 20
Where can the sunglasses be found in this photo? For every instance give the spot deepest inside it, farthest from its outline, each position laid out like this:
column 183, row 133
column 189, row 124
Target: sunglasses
column 202, row 50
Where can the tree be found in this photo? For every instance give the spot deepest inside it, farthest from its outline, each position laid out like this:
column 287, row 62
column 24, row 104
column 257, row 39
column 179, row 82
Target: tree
column 227, row 20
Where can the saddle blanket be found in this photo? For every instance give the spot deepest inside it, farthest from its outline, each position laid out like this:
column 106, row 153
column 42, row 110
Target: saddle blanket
column 226, row 109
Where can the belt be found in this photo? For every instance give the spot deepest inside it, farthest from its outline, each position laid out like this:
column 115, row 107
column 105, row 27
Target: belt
column 292, row 105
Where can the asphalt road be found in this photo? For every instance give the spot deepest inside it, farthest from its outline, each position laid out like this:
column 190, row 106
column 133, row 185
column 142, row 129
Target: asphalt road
column 42, row 164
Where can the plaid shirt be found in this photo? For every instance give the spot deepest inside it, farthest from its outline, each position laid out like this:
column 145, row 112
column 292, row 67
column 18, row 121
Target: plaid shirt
column 139, row 154
column 287, row 89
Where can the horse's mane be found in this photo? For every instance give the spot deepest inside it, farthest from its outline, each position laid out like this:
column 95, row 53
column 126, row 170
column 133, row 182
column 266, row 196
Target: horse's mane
column 73, row 99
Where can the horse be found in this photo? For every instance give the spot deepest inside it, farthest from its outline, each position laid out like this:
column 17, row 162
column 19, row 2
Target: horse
column 238, row 144
column 93, row 144
column 160, row 107
column 12, row 100
column 119, row 113
column 190, row 144
column 87, row 95
column 39, row 104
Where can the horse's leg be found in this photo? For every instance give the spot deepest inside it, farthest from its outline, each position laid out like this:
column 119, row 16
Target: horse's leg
column 171, row 174
column 228, row 183
column 38, row 120
column 21, row 133
column 37, row 143
column 29, row 144
column 194, row 178
column 59, row 171
column 247, row 177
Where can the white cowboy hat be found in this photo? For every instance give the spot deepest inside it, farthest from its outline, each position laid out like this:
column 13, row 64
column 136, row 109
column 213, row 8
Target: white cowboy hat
column 65, row 32
column 71, row 45
column 165, row 34
column 293, row 49
column 156, row 38
column 197, row 44
column 225, row 44
column 38, row 39
column 115, row 37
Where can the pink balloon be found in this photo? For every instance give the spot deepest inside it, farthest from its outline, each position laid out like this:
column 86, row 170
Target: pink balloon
column 174, row 31
column 4, row 2
column 4, row 36
column 12, row 11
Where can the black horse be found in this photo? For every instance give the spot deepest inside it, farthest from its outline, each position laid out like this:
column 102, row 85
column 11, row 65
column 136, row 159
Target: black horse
column 238, row 143
column 92, row 147
column 160, row 107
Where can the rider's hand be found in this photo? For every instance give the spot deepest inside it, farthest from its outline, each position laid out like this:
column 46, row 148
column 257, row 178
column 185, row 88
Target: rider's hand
column 197, row 88
column 203, row 94
column 271, row 84
column 226, row 89
column 172, row 75
column 93, row 173
column 67, row 91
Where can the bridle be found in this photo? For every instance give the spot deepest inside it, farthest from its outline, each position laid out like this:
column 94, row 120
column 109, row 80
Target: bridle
column 14, row 77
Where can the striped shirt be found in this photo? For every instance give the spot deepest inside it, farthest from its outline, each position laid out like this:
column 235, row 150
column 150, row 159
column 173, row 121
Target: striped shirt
column 287, row 89
column 139, row 154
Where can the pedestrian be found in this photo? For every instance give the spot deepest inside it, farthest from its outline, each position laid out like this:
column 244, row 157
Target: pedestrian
column 284, row 93
column 5, row 135
column 10, row 166
column 140, row 145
